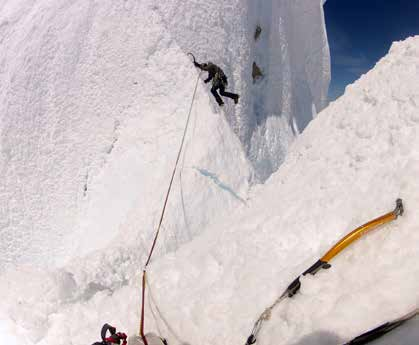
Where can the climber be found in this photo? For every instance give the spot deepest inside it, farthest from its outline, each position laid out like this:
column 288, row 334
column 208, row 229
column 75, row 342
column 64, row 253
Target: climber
column 115, row 337
column 151, row 338
column 219, row 81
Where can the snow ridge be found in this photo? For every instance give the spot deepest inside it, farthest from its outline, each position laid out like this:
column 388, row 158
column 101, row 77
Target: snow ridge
column 347, row 167
column 88, row 88
column 99, row 157
column 89, row 119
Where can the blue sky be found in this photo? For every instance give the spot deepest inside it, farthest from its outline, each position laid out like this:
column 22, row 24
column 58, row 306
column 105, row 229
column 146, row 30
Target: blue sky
column 360, row 32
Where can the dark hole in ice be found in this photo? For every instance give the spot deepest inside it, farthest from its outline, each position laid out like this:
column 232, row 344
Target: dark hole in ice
column 256, row 72
column 258, row 31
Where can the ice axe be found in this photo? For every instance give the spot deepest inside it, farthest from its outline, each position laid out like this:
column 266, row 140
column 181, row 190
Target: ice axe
column 193, row 57
column 323, row 263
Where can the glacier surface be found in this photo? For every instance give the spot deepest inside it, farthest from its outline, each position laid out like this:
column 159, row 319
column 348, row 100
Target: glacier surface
column 87, row 88
column 93, row 100
column 291, row 50
column 346, row 168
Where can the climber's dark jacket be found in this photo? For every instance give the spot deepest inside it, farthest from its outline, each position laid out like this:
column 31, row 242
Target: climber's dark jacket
column 214, row 72
column 219, row 82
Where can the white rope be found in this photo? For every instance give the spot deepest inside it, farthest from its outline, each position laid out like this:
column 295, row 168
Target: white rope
column 160, row 226
column 158, row 311
column 266, row 315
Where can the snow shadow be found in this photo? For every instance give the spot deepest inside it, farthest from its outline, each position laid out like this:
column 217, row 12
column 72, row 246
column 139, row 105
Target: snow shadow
column 320, row 338
column 406, row 334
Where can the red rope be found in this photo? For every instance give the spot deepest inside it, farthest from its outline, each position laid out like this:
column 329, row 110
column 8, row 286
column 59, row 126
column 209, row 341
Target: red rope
column 162, row 215
column 142, row 310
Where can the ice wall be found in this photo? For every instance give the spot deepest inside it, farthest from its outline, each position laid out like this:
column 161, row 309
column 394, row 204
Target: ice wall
column 88, row 87
column 347, row 167
column 93, row 101
column 291, row 51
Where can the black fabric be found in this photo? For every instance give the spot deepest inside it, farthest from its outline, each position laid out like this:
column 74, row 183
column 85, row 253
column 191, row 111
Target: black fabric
column 219, row 82
column 213, row 72
column 375, row 333
column 106, row 327
column 223, row 92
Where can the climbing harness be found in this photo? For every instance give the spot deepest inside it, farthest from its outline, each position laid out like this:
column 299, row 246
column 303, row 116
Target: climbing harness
column 144, row 277
column 383, row 329
column 323, row 262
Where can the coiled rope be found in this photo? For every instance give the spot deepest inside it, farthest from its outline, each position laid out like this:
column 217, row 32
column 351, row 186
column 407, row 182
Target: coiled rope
column 144, row 278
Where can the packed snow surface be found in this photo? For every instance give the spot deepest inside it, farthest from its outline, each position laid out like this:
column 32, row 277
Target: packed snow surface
column 93, row 99
column 93, row 102
column 291, row 51
column 349, row 166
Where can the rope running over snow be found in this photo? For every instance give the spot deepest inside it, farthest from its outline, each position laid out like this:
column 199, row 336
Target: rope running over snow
column 153, row 305
column 162, row 214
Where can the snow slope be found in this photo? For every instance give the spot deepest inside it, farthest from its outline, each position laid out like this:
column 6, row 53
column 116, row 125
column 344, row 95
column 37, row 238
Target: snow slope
column 348, row 167
column 93, row 101
column 292, row 51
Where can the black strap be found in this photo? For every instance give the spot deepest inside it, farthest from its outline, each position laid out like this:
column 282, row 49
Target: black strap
column 251, row 340
column 375, row 333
